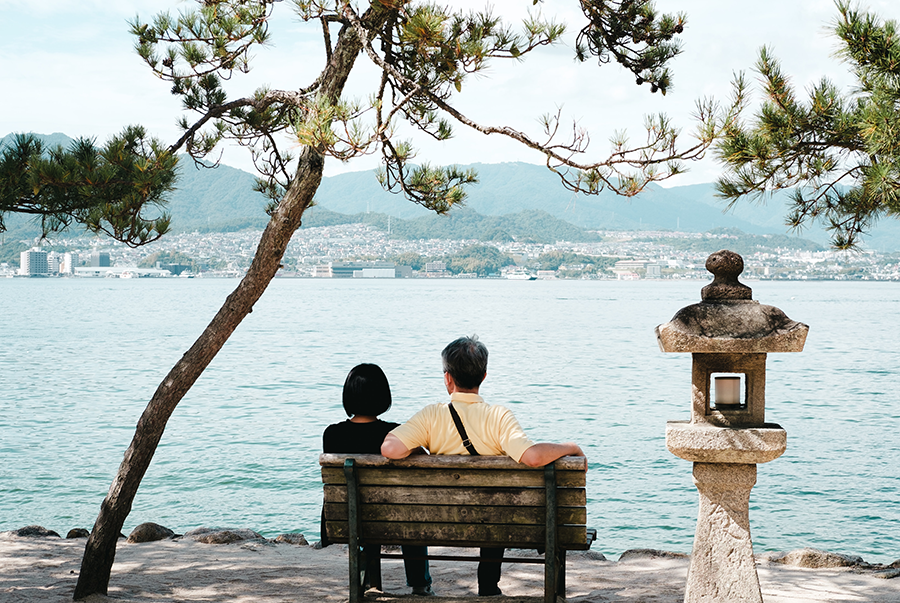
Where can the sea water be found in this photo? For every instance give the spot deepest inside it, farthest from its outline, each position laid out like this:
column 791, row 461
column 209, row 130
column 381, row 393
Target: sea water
column 574, row 360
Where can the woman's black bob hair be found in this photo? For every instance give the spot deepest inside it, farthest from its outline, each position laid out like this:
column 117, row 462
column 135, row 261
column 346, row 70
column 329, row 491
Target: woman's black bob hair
column 366, row 391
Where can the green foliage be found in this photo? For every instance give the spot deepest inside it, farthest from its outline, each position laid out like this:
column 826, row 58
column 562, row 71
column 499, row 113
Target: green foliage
column 10, row 250
column 531, row 226
column 840, row 152
column 411, row 259
column 634, row 34
column 106, row 190
column 554, row 259
column 497, row 235
column 436, row 188
column 480, row 259
column 737, row 241
column 167, row 257
column 197, row 51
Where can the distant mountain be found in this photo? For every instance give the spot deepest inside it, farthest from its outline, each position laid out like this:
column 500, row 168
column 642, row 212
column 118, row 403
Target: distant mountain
column 529, row 225
column 507, row 188
column 223, row 199
column 49, row 141
column 218, row 199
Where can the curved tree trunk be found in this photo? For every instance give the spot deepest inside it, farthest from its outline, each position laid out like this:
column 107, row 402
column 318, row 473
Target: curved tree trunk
column 100, row 552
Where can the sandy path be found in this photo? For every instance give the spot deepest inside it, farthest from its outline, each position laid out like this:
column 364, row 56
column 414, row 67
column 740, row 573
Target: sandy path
column 43, row 570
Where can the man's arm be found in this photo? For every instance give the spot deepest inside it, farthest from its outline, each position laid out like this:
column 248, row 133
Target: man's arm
column 393, row 448
column 539, row 454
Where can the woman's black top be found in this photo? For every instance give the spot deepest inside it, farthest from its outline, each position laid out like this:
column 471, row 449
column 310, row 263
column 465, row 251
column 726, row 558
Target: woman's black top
column 356, row 438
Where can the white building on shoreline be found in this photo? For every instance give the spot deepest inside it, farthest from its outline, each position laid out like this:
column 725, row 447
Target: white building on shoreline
column 33, row 263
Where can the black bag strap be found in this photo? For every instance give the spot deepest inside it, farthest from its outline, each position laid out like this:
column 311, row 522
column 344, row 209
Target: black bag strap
column 462, row 431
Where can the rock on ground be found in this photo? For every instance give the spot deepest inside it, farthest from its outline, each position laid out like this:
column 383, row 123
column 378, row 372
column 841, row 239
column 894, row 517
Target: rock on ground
column 641, row 554
column 297, row 539
column 815, row 559
column 222, row 535
column 150, row 532
column 33, row 531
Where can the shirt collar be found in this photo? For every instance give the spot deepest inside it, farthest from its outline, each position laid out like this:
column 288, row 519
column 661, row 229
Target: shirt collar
column 466, row 398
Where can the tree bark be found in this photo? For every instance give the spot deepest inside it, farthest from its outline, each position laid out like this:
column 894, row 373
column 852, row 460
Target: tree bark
column 100, row 551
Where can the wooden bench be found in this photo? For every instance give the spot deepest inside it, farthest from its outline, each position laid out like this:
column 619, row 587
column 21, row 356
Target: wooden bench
column 457, row 501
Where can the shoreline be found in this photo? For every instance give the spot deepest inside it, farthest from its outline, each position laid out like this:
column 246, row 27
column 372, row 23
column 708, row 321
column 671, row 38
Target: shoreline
column 184, row 569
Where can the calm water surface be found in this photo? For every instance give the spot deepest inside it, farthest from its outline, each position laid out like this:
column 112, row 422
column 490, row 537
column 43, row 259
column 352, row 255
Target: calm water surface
column 573, row 359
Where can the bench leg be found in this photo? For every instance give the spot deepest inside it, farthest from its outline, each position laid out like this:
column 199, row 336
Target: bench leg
column 551, row 551
column 355, row 584
column 551, row 573
column 353, row 552
column 561, row 575
column 371, row 565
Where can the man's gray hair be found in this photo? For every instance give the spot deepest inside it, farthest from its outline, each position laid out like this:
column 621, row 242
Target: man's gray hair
column 466, row 361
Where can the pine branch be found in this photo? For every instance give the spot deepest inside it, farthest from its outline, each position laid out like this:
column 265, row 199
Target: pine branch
column 657, row 151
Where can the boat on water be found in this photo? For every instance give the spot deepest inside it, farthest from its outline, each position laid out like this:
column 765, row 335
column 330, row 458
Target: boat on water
column 520, row 274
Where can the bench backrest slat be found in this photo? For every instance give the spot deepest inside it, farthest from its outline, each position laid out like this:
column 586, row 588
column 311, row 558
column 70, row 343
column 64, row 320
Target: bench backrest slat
column 458, row 514
column 387, row 476
column 567, row 463
column 503, row 497
column 458, row 534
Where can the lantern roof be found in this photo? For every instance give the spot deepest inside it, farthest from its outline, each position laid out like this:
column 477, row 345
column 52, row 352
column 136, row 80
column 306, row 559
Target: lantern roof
column 728, row 319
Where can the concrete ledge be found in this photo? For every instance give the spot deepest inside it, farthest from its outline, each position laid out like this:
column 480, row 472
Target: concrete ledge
column 701, row 443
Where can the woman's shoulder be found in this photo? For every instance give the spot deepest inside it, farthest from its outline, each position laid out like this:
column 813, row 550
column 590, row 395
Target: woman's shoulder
column 338, row 426
column 348, row 425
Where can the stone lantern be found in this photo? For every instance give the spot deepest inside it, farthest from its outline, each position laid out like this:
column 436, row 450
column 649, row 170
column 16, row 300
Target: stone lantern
column 728, row 335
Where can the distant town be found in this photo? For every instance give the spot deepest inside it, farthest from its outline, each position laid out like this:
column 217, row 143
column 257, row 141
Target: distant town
column 363, row 251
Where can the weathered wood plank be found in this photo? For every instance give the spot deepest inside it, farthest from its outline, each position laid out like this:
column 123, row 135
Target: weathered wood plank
column 567, row 463
column 457, row 514
column 415, row 476
column 458, row 501
column 455, row 534
column 503, row 497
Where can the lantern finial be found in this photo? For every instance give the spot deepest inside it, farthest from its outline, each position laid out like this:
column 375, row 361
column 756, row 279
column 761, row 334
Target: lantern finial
column 725, row 266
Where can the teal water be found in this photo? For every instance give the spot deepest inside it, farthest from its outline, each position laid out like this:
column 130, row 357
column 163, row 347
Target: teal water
column 573, row 359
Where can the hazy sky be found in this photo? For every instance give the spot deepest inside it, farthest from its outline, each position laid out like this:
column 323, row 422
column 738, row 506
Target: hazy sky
column 69, row 66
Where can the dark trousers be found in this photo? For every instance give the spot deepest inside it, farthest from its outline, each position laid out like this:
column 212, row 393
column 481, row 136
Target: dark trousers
column 417, row 571
column 489, row 571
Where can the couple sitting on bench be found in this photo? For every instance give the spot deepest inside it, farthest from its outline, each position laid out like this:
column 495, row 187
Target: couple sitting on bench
column 464, row 426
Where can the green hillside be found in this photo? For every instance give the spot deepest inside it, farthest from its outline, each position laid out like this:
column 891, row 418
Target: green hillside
column 218, row 199
column 510, row 201
column 530, row 226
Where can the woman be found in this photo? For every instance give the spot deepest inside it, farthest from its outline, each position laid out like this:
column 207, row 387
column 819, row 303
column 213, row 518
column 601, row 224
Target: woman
column 367, row 394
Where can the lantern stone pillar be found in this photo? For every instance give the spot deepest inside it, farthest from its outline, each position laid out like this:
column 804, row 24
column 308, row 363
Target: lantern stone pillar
column 722, row 563
column 728, row 334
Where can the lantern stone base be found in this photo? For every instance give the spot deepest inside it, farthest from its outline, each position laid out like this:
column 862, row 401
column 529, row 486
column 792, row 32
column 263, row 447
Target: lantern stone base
column 722, row 566
column 705, row 443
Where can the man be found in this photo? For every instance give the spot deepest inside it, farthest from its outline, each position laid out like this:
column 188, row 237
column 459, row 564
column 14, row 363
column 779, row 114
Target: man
column 491, row 431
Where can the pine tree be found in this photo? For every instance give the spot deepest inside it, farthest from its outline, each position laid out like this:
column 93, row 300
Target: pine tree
column 108, row 190
column 425, row 53
column 838, row 151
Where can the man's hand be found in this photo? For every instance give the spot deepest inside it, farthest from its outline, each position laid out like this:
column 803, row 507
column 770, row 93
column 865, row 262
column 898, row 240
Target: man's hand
column 393, row 448
column 544, row 453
